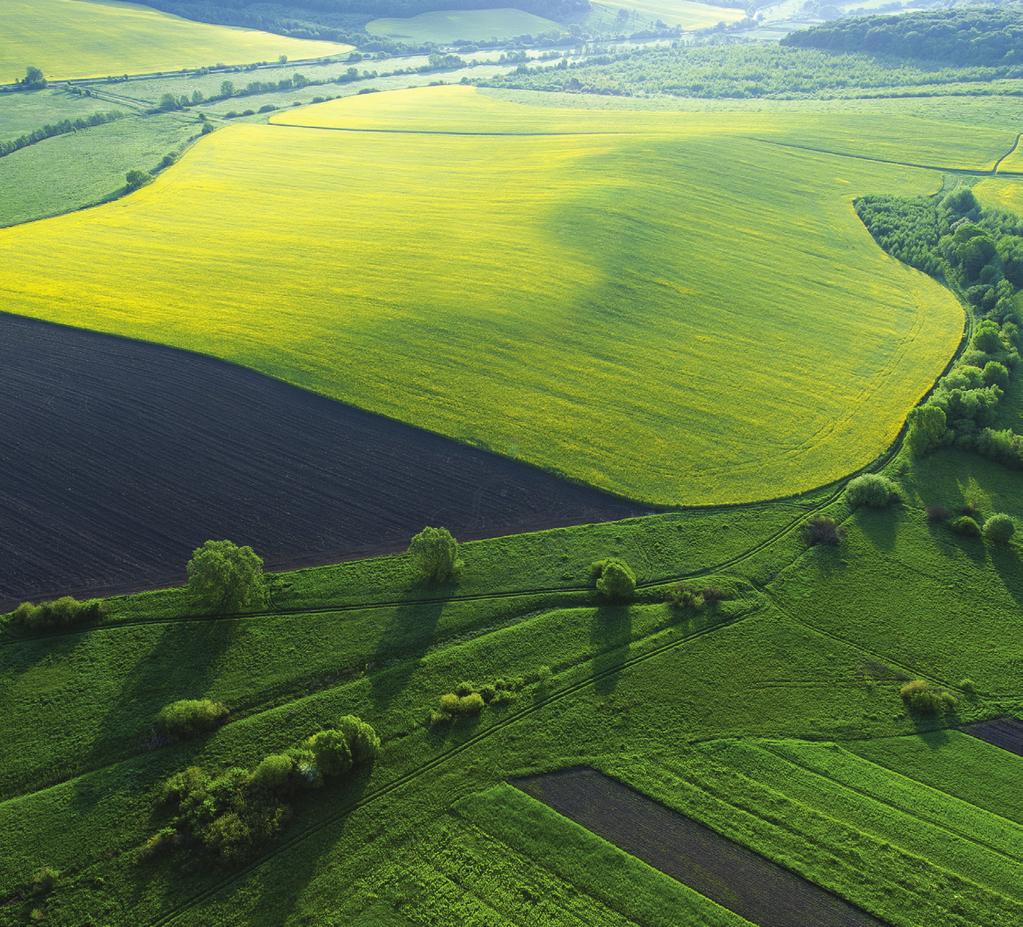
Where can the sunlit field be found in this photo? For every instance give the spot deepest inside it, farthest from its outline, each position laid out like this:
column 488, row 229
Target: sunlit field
column 453, row 25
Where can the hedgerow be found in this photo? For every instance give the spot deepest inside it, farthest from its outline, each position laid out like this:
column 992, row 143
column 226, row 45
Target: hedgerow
column 228, row 817
column 188, row 717
column 59, row 614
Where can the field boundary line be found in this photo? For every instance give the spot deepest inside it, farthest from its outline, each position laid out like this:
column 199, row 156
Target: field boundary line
column 384, row 790
column 939, row 825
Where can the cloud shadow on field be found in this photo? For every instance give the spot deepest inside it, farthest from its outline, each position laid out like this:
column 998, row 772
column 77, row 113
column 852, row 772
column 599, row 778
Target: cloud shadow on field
column 610, row 634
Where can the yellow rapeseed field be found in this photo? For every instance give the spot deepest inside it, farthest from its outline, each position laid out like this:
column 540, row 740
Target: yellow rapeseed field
column 665, row 307
column 97, row 38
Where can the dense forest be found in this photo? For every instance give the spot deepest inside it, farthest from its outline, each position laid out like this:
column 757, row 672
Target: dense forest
column 341, row 19
column 744, row 71
column 963, row 36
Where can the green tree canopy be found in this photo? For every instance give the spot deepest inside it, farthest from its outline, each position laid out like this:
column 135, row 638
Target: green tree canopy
column 435, row 554
column 225, row 578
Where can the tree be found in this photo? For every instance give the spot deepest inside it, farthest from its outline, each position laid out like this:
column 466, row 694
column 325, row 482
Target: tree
column 225, row 578
column 435, row 554
column 927, row 427
column 135, row 179
column 999, row 529
column 168, row 102
column 227, row 88
column 332, row 753
column 34, row 78
column 616, row 580
column 871, row 490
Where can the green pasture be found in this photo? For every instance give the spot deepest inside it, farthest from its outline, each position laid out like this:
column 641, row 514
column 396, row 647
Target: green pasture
column 445, row 26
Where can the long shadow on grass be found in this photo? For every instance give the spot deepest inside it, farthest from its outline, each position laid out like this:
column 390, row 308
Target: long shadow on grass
column 1006, row 561
column 880, row 527
column 402, row 643
column 610, row 634
column 180, row 665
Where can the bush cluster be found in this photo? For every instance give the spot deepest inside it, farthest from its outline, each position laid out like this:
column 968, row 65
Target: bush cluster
column 871, row 490
column 615, row 579
column 822, row 529
column 691, row 598
column 60, row 614
column 966, row 525
column 923, row 698
column 468, row 699
column 228, row 817
column 189, row 717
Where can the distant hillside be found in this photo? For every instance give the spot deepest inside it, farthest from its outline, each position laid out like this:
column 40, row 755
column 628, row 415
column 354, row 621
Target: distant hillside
column 339, row 19
column 964, row 36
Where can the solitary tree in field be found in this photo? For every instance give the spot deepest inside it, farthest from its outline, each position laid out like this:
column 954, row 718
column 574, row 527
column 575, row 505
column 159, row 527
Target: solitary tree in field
column 136, row 179
column 616, row 581
column 225, row 578
column 33, row 79
column 435, row 554
column 227, row 88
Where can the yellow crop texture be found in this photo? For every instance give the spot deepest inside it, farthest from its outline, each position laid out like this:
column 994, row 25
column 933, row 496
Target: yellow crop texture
column 92, row 38
column 666, row 307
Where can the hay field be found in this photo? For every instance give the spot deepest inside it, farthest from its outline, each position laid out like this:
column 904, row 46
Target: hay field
column 470, row 25
column 96, row 38
column 671, row 310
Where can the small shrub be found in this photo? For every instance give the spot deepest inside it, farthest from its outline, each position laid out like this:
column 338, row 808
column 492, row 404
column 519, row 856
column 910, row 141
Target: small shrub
column 189, row 717
column 823, row 530
column 966, row 525
column 461, row 706
column 45, row 880
column 968, row 686
column 936, row 514
column 616, row 582
column 871, row 490
column 685, row 597
column 921, row 698
column 712, row 595
column 999, row 529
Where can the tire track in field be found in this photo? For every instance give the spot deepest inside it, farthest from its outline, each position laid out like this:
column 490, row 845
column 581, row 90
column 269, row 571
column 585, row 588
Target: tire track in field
column 440, row 759
column 998, row 163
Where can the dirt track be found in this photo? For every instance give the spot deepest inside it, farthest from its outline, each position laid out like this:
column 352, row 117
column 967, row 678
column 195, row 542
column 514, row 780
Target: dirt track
column 733, row 876
column 118, row 458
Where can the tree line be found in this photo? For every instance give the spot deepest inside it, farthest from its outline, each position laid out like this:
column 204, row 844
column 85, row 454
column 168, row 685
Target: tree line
column 992, row 36
column 58, row 128
column 979, row 254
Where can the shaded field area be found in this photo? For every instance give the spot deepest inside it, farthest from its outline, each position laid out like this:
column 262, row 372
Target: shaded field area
column 1006, row 733
column 120, row 457
column 731, row 875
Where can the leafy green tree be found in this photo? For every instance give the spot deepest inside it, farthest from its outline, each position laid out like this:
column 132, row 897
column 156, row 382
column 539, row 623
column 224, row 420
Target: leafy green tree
column 872, row 490
column 616, row 581
column 332, row 753
column 435, row 554
column 136, row 178
column 225, row 578
column 34, row 78
column 927, row 427
column 227, row 88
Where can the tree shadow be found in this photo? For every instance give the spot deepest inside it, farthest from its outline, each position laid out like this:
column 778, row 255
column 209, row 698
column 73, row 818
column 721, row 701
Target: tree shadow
column 178, row 666
column 880, row 526
column 611, row 634
column 401, row 646
column 1008, row 566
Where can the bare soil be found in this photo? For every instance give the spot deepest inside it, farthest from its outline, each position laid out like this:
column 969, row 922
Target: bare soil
column 1006, row 733
column 119, row 458
column 730, row 874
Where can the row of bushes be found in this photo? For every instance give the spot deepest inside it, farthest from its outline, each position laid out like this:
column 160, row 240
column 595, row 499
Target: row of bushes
column 468, row 700
column 996, row 529
column 229, row 817
column 51, row 130
column 60, row 614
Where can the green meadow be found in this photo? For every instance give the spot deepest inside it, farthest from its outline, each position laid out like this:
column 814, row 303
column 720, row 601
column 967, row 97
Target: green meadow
column 445, row 26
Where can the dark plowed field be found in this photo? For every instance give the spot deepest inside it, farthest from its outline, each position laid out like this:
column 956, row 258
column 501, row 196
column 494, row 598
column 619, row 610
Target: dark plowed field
column 736, row 878
column 118, row 458
column 1006, row 733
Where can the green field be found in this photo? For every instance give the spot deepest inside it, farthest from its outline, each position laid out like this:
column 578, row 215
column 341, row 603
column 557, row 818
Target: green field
column 446, row 26
column 689, row 14
column 697, row 430
column 95, row 38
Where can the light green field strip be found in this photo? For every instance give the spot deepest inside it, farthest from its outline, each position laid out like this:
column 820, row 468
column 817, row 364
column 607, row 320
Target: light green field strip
column 469, row 25
column 652, row 314
column 974, row 771
column 1002, row 194
column 685, row 13
column 97, row 38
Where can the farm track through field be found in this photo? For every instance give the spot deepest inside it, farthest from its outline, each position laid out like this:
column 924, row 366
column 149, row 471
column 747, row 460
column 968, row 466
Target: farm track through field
column 440, row 759
column 967, row 171
column 998, row 163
